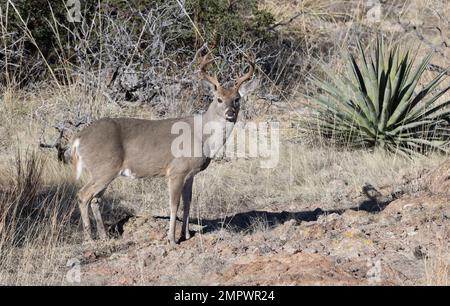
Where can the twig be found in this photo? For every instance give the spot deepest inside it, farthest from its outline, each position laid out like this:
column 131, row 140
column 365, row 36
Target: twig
column 407, row 28
column 283, row 23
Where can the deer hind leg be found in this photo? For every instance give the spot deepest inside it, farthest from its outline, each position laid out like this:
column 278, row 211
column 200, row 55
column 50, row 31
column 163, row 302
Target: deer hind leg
column 83, row 204
column 187, row 198
column 175, row 189
column 95, row 205
column 89, row 195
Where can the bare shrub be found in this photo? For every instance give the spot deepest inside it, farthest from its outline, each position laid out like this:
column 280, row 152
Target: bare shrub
column 20, row 67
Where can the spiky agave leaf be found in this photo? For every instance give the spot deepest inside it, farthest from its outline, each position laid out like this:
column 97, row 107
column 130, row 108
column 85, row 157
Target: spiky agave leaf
column 375, row 102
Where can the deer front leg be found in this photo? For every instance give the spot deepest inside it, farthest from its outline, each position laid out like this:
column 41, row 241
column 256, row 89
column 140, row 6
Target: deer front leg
column 187, row 198
column 175, row 188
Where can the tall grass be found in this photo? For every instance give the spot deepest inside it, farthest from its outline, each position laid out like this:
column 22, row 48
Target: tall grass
column 35, row 218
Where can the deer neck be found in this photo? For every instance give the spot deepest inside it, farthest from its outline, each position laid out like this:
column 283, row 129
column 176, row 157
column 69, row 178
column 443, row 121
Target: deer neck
column 216, row 130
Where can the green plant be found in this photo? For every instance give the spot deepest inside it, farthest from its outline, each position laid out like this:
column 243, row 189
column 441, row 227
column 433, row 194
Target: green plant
column 375, row 102
column 225, row 20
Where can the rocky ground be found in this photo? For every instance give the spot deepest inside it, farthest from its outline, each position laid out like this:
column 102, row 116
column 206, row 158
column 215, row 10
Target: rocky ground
column 385, row 238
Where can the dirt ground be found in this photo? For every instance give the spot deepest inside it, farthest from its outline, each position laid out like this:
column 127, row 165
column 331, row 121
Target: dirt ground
column 384, row 239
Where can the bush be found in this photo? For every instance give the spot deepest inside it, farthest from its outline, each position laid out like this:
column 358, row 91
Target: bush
column 35, row 30
column 374, row 104
column 50, row 29
column 224, row 21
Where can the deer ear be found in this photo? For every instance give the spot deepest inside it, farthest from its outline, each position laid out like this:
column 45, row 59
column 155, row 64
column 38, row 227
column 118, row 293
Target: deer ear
column 248, row 87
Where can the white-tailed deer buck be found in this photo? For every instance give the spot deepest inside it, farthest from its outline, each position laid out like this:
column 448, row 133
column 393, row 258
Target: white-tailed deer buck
column 137, row 148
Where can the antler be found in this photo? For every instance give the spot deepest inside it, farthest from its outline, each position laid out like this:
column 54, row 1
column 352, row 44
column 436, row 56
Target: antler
column 203, row 74
column 248, row 75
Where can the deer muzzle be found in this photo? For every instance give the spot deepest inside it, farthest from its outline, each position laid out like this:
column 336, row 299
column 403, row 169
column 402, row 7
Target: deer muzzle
column 231, row 115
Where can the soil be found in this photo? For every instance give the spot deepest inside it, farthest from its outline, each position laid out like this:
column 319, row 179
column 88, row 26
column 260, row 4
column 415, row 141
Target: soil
column 381, row 242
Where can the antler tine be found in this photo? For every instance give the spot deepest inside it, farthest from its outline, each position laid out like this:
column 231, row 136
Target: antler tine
column 203, row 74
column 248, row 75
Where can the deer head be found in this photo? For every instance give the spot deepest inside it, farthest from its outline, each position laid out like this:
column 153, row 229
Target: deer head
column 226, row 101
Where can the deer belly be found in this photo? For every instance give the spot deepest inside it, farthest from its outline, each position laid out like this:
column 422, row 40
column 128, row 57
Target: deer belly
column 140, row 168
column 136, row 174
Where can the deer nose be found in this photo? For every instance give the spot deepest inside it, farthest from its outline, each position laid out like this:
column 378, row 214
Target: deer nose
column 230, row 114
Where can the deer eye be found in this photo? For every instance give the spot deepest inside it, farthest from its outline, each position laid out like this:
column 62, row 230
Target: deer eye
column 219, row 100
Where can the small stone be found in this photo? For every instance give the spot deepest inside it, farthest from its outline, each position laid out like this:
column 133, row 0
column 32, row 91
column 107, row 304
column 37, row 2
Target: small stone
column 290, row 222
column 412, row 231
column 291, row 249
column 327, row 218
column 148, row 260
column 163, row 253
column 355, row 217
column 419, row 253
column 90, row 255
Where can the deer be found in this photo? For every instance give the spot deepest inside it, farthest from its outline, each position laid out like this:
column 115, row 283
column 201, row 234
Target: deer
column 140, row 148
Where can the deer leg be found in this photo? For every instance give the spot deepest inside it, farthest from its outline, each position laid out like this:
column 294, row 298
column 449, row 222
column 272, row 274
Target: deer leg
column 83, row 204
column 95, row 205
column 187, row 198
column 175, row 188
column 87, row 195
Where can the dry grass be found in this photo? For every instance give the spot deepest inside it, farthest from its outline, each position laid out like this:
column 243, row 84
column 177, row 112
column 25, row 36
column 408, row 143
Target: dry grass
column 39, row 193
column 437, row 271
column 36, row 217
column 39, row 223
column 437, row 266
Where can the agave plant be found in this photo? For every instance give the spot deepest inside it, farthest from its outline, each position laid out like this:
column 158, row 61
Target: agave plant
column 376, row 102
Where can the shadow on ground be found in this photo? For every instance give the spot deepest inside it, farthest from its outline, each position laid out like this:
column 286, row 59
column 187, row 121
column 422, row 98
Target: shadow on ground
column 243, row 222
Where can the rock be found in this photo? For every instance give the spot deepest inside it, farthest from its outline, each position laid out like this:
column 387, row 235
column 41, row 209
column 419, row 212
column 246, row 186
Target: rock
column 90, row 255
column 297, row 269
column 147, row 261
column 419, row 252
column 284, row 231
column 408, row 205
column 228, row 251
column 292, row 249
column 145, row 228
column 352, row 217
column 352, row 244
column 325, row 218
column 439, row 180
column 353, row 247
column 160, row 252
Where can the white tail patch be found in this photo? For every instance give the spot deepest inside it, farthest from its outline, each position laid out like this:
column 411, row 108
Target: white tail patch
column 127, row 173
column 79, row 162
